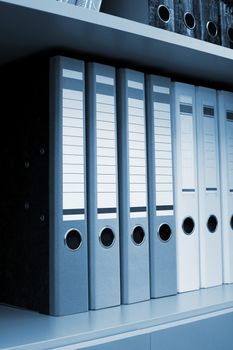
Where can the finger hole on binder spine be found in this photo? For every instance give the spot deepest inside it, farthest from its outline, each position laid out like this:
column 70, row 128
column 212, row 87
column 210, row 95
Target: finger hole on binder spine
column 231, row 222
column 188, row 225
column 107, row 237
column 164, row 13
column 164, row 232
column 212, row 29
column 212, row 223
column 138, row 235
column 73, row 239
column 189, row 20
column 230, row 34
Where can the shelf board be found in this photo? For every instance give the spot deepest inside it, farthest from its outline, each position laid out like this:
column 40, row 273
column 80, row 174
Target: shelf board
column 28, row 27
column 34, row 331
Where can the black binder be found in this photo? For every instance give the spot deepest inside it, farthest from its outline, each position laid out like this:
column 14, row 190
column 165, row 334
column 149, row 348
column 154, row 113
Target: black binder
column 187, row 18
column 210, row 21
column 226, row 13
column 43, row 206
column 161, row 14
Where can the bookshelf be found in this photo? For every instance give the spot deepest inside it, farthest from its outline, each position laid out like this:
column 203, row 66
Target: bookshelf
column 29, row 27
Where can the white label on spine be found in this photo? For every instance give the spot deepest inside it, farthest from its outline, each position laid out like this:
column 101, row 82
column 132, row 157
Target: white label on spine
column 210, row 158
column 187, row 148
column 137, row 151
column 73, row 145
column 229, row 133
column 163, row 151
column 106, row 142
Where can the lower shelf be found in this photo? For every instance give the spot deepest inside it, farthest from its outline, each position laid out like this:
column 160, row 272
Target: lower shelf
column 22, row 329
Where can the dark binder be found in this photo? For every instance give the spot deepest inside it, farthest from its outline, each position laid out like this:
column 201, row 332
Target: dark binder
column 226, row 13
column 187, row 18
column 44, row 241
column 210, row 21
column 158, row 13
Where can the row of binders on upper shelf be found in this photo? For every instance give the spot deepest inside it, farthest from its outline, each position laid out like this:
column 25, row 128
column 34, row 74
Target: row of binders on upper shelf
column 209, row 20
column 140, row 192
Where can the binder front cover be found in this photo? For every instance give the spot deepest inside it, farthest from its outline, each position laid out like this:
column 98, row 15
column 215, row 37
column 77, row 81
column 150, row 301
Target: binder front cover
column 133, row 187
column 225, row 108
column 186, row 199
column 210, row 21
column 209, row 188
column 103, row 224
column 226, row 14
column 68, row 241
column 160, row 187
column 187, row 18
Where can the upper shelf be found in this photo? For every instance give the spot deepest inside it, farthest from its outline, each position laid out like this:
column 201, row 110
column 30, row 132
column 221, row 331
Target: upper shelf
column 29, row 26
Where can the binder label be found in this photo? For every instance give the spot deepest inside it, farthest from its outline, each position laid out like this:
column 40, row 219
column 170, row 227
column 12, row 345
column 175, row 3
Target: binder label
column 137, row 149
column 163, row 151
column 210, row 152
column 187, row 146
column 106, row 147
column 229, row 133
column 73, row 145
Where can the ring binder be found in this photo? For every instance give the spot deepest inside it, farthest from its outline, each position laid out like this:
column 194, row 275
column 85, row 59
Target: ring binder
column 133, row 187
column 209, row 188
column 161, row 187
column 186, row 194
column 103, row 213
column 225, row 113
column 210, row 21
column 226, row 14
column 187, row 18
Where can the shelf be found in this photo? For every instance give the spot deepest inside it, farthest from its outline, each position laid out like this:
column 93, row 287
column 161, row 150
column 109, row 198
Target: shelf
column 29, row 26
column 34, row 331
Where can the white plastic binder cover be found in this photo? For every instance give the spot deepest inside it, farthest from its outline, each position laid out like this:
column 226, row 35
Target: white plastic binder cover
column 103, row 214
column 209, row 188
column 225, row 116
column 186, row 199
column 68, row 237
column 133, row 187
column 160, row 187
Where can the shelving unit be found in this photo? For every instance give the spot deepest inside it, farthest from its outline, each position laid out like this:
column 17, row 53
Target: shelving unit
column 29, row 27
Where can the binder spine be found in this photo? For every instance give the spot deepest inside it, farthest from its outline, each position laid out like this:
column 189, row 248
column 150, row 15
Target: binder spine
column 226, row 14
column 210, row 21
column 225, row 104
column 68, row 238
column 161, row 14
column 103, row 225
column 161, row 187
column 133, row 187
column 209, row 189
column 186, row 196
column 187, row 18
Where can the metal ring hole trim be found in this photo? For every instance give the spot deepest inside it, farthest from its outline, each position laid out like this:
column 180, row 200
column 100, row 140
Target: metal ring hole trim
column 212, row 223
column 231, row 222
column 73, row 239
column 212, row 29
column 189, row 20
column 164, row 232
column 138, row 235
column 107, row 237
column 164, row 13
column 188, row 225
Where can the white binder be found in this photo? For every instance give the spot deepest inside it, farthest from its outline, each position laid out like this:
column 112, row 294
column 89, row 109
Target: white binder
column 209, row 188
column 103, row 223
column 186, row 194
column 68, row 240
column 161, row 187
column 133, row 187
column 225, row 116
